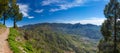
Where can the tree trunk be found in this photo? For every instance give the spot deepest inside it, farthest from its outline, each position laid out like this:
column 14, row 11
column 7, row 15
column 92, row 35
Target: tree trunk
column 4, row 19
column 14, row 24
column 115, row 32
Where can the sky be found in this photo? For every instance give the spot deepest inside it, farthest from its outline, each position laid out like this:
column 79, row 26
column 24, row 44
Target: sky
column 61, row 11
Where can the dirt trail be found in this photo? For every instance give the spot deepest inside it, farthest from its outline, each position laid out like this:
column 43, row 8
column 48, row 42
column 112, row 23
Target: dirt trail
column 4, row 46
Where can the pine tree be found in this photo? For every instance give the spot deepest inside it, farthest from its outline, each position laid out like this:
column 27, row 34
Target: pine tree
column 3, row 4
column 110, row 28
column 4, row 10
column 15, row 13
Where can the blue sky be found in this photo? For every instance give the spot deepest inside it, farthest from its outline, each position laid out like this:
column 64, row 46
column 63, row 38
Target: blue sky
column 61, row 11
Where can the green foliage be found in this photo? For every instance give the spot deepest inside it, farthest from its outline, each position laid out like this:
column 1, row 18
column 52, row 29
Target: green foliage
column 3, row 6
column 110, row 28
column 4, row 9
column 10, row 9
column 12, row 40
column 106, row 31
column 15, row 12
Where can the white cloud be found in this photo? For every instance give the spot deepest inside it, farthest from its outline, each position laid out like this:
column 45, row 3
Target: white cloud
column 68, row 5
column 30, row 17
column 92, row 20
column 48, row 2
column 53, row 10
column 96, row 21
column 65, row 4
column 39, row 11
column 24, row 9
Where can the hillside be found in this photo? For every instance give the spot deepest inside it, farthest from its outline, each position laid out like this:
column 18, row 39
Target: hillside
column 87, row 30
column 54, row 38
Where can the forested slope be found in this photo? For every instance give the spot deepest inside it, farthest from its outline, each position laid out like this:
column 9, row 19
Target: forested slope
column 44, row 38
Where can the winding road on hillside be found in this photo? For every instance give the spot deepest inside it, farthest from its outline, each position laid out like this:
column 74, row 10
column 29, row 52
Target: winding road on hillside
column 4, row 46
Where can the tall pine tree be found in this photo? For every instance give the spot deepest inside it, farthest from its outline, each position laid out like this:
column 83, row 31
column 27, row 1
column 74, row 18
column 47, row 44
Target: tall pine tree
column 4, row 10
column 109, row 29
column 15, row 13
column 3, row 5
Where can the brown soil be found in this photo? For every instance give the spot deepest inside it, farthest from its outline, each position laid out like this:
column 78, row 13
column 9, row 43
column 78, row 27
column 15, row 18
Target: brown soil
column 4, row 46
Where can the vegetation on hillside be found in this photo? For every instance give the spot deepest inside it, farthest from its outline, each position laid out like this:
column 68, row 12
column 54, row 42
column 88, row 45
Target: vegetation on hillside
column 12, row 40
column 17, row 44
column 87, row 30
column 43, row 39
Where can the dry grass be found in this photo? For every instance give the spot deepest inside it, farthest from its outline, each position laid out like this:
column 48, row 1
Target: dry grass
column 2, row 28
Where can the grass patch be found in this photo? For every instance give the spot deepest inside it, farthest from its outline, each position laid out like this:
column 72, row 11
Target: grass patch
column 2, row 25
column 12, row 42
column 18, row 46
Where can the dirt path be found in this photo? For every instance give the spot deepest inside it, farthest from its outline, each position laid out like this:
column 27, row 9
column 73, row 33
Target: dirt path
column 4, row 46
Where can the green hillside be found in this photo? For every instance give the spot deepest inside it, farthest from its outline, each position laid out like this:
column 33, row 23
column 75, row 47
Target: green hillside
column 87, row 30
column 43, row 39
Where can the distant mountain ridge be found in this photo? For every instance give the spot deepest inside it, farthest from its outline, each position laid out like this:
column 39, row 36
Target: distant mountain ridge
column 86, row 30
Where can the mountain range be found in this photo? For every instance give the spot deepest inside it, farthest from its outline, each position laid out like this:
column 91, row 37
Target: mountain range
column 85, row 30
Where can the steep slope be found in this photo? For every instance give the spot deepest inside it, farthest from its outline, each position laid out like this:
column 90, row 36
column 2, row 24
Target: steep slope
column 53, row 38
column 49, row 41
column 84, row 37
